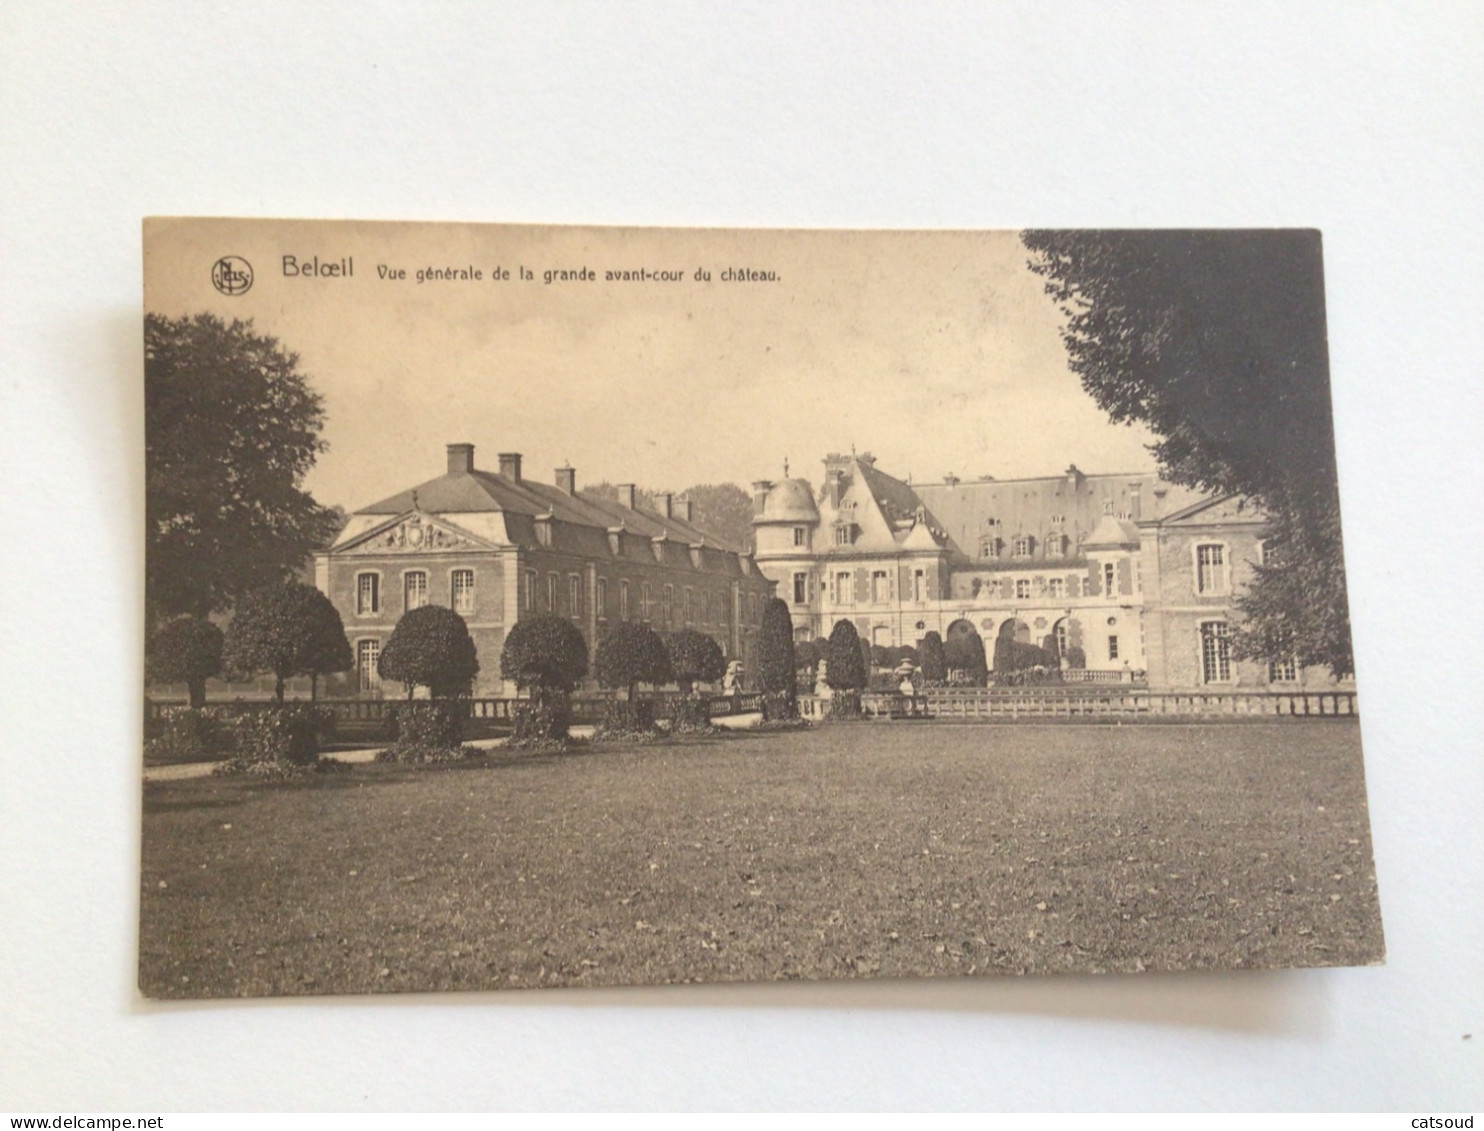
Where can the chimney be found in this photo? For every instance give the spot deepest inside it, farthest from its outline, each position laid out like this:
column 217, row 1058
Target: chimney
column 834, row 484
column 566, row 479
column 626, row 495
column 685, row 511
column 510, row 465
column 950, row 480
column 760, row 489
column 1135, row 499
column 460, row 459
column 663, row 502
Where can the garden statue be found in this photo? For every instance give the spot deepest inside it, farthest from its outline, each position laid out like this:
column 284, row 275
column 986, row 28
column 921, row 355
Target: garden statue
column 821, row 685
column 731, row 683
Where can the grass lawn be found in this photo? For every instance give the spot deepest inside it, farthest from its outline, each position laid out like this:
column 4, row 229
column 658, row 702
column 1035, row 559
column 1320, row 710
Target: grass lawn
column 883, row 850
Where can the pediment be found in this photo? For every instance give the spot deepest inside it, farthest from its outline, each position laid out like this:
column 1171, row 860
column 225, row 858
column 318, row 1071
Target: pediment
column 413, row 533
column 1216, row 512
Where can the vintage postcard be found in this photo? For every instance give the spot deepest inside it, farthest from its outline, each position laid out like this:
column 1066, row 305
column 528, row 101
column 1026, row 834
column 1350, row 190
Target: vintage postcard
column 561, row 606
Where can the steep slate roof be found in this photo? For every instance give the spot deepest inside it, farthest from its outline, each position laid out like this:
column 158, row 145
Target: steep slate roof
column 522, row 502
column 1025, row 506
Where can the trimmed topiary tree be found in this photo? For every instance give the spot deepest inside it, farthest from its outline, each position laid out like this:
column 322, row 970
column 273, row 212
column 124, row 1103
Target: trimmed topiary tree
column 629, row 654
column 694, row 657
column 934, row 663
column 966, row 654
column 545, row 656
column 776, row 666
column 289, row 629
column 845, row 669
column 186, row 650
column 430, row 647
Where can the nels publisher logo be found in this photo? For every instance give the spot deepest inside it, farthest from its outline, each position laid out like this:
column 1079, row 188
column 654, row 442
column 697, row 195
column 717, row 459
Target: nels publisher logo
column 232, row 275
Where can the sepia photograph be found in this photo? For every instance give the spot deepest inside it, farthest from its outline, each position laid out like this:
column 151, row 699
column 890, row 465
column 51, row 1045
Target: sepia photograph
column 542, row 606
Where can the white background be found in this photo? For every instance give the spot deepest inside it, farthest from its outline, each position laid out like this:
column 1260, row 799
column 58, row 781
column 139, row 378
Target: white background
column 1364, row 120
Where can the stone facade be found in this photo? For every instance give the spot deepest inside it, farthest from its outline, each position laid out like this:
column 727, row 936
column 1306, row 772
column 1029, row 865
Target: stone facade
column 496, row 546
column 1124, row 576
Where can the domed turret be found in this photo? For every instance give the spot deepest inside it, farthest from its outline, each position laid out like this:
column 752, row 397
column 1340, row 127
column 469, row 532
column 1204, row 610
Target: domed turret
column 791, row 500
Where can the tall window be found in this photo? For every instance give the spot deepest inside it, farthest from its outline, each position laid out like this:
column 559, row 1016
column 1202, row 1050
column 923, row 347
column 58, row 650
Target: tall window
column 414, row 590
column 1056, row 587
column 1022, row 588
column 843, row 532
column 1022, row 547
column 1210, row 568
column 845, row 588
column 1216, row 662
column 1053, row 544
column 801, row 536
column 602, row 609
column 461, row 590
column 528, row 598
column 878, row 586
column 1284, row 670
column 551, row 592
column 367, row 653
column 989, row 546
column 644, row 600
column 1059, row 636
column 1110, row 579
column 623, row 600
column 574, row 595
column 688, row 606
column 667, row 604
column 919, row 585
column 368, row 594
column 801, row 588
column 1112, row 647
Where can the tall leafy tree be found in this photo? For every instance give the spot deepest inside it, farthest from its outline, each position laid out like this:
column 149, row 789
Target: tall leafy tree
column 288, row 629
column 231, row 429
column 430, row 647
column 186, row 650
column 1216, row 340
column 694, row 657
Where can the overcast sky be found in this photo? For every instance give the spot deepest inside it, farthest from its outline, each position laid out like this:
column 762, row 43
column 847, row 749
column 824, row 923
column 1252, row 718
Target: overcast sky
column 937, row 351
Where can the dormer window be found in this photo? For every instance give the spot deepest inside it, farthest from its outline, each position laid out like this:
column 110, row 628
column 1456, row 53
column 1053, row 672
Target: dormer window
column 844, row 533
column 989, row 546
column 801, row 536
column 543, row 529
column 1022, row 547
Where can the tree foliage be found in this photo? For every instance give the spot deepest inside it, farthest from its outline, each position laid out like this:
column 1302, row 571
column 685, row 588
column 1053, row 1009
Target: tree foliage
column 288, row 629
column 694, row 658
column 723, row 510
column 231, row 428
column 965, row 653
column 845, row 668
column 1216, row 341
column 934, row 663
column 777, row 669
column 186, row 650
column 430, row 647
column 544, row 654
column 629, row 654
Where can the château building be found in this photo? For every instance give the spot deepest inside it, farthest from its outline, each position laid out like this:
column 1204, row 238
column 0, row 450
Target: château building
column 496, row 546
column 1122, row 577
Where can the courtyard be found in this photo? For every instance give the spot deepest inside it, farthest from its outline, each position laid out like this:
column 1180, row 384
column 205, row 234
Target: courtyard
column 847, row 850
